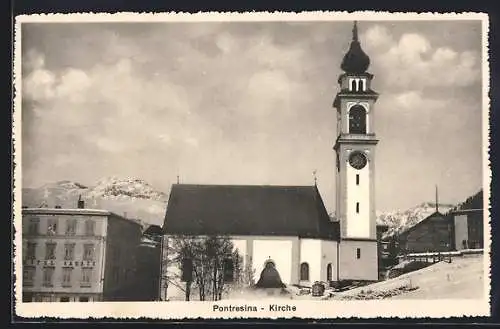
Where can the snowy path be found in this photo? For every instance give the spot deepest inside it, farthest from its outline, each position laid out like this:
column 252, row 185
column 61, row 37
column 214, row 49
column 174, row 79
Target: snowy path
column 463, row 278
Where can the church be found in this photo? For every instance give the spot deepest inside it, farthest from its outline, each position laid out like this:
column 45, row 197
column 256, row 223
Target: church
column 289, row 225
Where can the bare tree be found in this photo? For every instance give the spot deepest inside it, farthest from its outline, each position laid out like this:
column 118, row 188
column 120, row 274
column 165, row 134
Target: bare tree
column 208, row 254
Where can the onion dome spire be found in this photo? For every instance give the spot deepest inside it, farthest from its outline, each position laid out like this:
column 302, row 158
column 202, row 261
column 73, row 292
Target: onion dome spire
column 355, row 60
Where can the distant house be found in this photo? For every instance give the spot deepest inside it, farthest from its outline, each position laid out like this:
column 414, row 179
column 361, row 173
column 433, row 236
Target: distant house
column 434, row 233
column 146, row 283
column 468, row 220
column 468, row 224
column 461, row 228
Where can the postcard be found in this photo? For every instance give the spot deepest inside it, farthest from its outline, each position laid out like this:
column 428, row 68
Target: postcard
column 321, row 165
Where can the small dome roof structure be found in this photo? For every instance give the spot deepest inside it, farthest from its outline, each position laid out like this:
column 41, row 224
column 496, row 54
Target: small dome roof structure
column 355, row 61
column 269, row 277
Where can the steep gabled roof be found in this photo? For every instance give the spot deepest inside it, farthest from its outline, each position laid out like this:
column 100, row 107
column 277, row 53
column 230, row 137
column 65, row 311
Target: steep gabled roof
column 248, row 210
column 435, row 214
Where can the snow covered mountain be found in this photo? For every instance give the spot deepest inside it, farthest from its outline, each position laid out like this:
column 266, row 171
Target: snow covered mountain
column 133, row 198
column 398, row 221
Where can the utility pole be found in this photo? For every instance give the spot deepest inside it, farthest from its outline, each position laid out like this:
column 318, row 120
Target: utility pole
column 437, row 200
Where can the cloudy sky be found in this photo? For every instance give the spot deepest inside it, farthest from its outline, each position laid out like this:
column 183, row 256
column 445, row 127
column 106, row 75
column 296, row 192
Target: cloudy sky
column 249, row 103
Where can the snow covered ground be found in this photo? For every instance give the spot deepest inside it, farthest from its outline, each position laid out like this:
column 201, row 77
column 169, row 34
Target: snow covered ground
column 462, row 278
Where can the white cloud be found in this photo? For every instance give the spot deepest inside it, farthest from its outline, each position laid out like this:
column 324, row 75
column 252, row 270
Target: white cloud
column 225, row 42
column 39, row 85
column 109, row 145
column 33, row 60
column 377, row 37
column 192, row 141
column 412, row 62
column 73, row 85
column 414, row 100
column 165, row 138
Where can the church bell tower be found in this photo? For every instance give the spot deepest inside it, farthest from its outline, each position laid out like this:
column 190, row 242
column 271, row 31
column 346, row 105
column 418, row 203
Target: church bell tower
column 355, row 145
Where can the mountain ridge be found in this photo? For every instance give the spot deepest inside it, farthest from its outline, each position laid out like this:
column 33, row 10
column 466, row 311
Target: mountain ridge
column 135, row 198
column 131, row 197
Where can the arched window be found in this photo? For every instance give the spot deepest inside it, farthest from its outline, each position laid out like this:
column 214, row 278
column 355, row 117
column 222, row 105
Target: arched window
column 357, row 120
column 329, row 272
column 304, row 272
column 354, row 85
column 361, row 85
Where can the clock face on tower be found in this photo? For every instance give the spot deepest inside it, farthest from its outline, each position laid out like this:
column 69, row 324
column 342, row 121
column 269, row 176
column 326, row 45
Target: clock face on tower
column 357, row 160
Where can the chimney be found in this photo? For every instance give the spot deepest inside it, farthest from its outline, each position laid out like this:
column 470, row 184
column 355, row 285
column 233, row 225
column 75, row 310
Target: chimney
column 81, row 203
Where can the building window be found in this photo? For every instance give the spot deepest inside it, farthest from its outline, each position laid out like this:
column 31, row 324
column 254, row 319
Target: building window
column 88, row 252
column 86, row 276
column 357, row 207
column 358, row 253
column 64, row 299
column 66, row 282
column 34, row 225
column 357, row 179
column 29, row 276
column 69, row 251
column 304, row 272
column 83, row 299
column 50, row 250
column 71, row 227
column 31, row 250
column 48, row 274
column 329, row 272
column 89, row 227
column 52, row 226
column 357, row 120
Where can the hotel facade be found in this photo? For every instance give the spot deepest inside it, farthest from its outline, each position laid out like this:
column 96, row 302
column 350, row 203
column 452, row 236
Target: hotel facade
column 77, row 255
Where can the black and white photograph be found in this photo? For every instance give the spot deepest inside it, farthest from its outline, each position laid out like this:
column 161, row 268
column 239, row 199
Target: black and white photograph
column 258, row 165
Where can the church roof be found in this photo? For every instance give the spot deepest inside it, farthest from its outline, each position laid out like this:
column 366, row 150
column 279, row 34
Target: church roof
column 248, row 210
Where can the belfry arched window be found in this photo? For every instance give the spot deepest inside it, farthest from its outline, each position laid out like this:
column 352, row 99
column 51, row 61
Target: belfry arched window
column 304, row 272
column 357, row 120
column 354, row 85
column 361, row 85
column 329, row 272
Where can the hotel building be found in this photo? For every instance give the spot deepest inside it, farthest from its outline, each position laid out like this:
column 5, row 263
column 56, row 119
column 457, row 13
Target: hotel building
column 77, row 255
